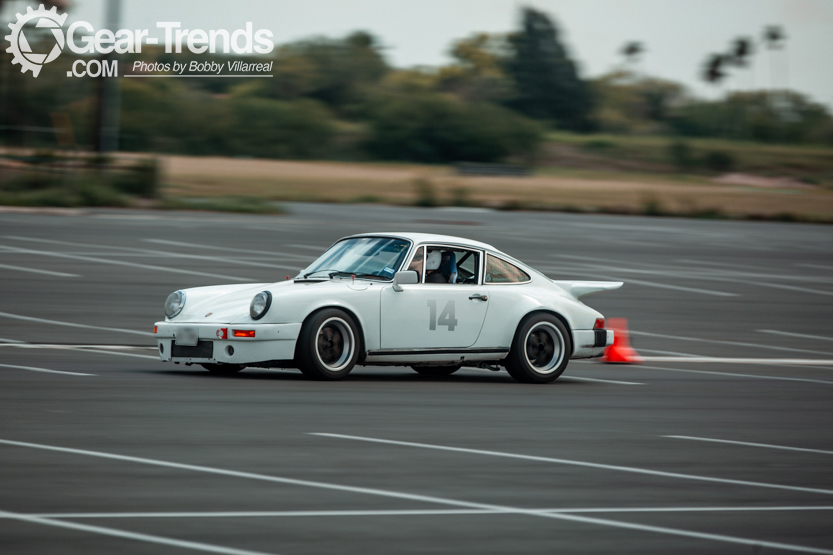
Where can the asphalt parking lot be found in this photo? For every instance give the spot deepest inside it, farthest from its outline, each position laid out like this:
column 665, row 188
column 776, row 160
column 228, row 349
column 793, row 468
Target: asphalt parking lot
column 720, row 442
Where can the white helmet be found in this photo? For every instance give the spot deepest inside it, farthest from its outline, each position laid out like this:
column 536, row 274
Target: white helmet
column 434, row 260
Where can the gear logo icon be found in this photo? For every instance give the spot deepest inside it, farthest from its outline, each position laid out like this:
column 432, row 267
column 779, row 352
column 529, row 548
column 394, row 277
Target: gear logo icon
column 19, row 46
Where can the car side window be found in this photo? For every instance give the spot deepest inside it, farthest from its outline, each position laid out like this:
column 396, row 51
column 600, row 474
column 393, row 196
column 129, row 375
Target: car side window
column 418, row 263
column 452, row 265
column 500, row 271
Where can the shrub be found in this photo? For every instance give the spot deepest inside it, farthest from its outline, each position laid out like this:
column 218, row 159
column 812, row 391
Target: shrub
column 276, row 129
column 434, row 128
column 681, row 155
column 172, row 117
column 241, row 204
column 719, row 161
column 426, row 196
column 141, row 180
column 460, row 197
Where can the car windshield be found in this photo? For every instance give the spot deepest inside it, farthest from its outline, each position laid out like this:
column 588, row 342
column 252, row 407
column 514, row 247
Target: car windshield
column 371, row 257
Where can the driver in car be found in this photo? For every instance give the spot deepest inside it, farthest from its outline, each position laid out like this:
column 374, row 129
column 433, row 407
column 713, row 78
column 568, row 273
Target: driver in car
column 441, row 267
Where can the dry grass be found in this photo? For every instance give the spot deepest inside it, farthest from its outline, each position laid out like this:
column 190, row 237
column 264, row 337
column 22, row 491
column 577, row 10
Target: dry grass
column 571, row 190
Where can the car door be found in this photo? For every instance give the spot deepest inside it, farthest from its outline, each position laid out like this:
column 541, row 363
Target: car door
column 436, row 315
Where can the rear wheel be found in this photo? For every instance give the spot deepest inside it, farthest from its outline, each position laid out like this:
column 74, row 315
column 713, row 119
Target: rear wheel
column 540, row 351
column 436, row 370
column 224, row 369
column 328, row 345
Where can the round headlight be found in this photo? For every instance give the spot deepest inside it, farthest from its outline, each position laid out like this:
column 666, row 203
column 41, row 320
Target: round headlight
column 260, row 305
column 174, row 304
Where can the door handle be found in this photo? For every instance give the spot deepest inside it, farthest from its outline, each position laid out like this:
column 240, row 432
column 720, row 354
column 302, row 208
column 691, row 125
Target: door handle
column 477, row 297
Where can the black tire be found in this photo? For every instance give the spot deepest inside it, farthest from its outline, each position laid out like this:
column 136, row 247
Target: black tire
column 329, row 345
column 223, row 369
column 540, row 350
column 436, row 370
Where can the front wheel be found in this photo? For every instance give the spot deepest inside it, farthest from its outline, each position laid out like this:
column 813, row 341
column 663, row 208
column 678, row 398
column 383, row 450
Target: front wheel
column 328, row 345
column 436, row 370
column 540, row 350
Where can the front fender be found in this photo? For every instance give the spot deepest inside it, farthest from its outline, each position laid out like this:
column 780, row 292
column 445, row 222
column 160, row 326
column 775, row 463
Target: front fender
column 295, row 304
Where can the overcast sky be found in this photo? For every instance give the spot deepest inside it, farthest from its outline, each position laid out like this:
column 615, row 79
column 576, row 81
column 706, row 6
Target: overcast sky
column 678, row 34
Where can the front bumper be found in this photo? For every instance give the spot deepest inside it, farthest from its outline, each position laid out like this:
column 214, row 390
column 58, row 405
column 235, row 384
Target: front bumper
column 591, row 343
column 270, row 342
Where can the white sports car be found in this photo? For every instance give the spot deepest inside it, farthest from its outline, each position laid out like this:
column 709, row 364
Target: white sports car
column 432, row 302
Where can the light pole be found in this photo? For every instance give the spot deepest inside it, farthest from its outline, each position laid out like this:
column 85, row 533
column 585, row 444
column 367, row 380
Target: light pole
column 109, row 92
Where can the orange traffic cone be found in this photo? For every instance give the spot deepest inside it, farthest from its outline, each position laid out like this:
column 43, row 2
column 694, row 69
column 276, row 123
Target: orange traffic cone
column 621, row 350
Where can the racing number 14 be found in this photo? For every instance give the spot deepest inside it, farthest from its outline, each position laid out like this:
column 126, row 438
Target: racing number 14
column 446, row 316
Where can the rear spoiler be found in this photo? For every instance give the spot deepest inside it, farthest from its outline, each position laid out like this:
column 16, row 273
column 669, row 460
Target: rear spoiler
column 581, row 288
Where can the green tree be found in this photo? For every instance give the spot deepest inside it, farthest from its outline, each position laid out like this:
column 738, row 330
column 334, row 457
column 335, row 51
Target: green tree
column 478, row 72
column 780, row 116
column 337, row 72
column 409, row 122
column 629, row 104
column 546, row 78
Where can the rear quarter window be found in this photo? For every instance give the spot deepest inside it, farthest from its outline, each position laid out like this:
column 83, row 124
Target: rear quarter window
column 500, row 271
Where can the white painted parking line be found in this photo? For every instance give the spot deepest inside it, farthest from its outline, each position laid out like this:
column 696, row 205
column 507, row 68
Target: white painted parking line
column 47, row 370
column 119, row 354
column 793, row 288
column 722, row 342
column 673, row 353
column 583, row 379
column 693, row 509
column 801, row 335
column 733, row 268
column 744, row 275
column 122, row 263
column 71, row 324
column 734, row 375
column 4, row 340
column 259, row 514
column 627, row 280
column 308, row 247
column 166, row 254
column 749, row 444
column 710, row 275
column 759, row 273
column 289, row 255
column 101, row 349
column 422, row 512
column 197, row 546
column 727, row 360
column 675, row 287
column 430, row 499
column 217, row 259
column 36, row 271
column 816, row 266
column 585, row 464
column 25, row 345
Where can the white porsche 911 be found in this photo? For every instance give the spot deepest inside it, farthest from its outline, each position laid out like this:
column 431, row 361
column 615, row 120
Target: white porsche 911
column 432, row 302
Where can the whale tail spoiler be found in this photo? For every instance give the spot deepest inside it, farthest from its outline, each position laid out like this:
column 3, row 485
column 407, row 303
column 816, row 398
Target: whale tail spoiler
column 579, row 289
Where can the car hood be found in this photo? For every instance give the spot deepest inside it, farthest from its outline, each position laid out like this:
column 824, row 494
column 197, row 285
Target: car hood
column 220, row 303
column 229, row 304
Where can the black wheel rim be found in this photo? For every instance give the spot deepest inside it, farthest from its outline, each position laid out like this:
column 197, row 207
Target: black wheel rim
column 544, row 347
column 330, row 344
column 334, row 344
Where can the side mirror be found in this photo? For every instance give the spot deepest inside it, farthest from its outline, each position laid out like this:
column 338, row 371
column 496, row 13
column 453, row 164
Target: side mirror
column 407, row 277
